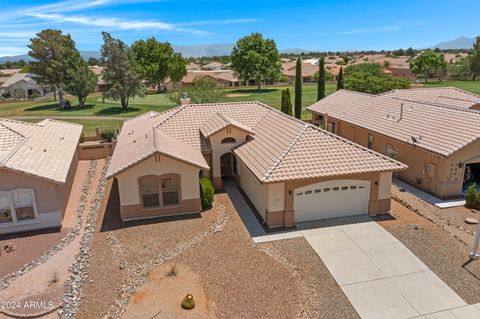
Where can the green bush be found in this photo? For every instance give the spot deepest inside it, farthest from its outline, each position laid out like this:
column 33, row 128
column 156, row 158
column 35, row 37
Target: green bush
column 108, row 134
column 472, row 197
column 35, row 95
column 206, row 192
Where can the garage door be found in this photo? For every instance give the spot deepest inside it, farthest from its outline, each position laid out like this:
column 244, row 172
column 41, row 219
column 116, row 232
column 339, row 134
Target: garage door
column 338, row 198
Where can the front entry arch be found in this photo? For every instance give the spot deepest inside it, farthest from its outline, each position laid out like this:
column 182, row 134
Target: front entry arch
column 226, row 165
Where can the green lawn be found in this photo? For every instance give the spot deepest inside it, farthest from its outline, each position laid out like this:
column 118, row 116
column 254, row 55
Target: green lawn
column 272, row 95
column 90, row 125
column 94, row 107
column 470, row 86
column 159, row 102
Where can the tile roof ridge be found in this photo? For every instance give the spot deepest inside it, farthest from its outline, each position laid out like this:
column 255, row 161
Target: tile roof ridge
column 45, row 121
column 10, row 129
column 176, row 111
column 284, row 153
column 347, row 141
column 444, row 106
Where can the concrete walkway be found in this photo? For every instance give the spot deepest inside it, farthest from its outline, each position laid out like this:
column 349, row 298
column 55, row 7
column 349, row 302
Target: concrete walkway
column 379, row 275
column 244, row 211
column 429, row 198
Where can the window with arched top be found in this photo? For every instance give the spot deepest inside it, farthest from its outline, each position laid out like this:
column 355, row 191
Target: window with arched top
column 228, row 140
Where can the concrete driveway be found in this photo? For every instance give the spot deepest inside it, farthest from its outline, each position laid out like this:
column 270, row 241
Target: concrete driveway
column 379, row 275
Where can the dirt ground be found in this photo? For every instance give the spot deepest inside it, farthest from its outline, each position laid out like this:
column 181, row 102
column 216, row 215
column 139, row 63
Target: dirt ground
column 239, row 280
column 31, row 245
column 444, row 254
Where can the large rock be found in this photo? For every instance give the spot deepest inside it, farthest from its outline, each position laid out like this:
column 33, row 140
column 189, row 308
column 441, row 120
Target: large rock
column 471, row 221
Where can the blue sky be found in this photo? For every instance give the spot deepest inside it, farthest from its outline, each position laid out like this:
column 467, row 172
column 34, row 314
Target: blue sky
column 313, row 25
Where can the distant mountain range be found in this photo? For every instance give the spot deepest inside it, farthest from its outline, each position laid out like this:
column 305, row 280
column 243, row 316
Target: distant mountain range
column 458, row 43
column 187, row 51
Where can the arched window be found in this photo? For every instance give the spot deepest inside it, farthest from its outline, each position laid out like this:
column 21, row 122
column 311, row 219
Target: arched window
column 228, row 140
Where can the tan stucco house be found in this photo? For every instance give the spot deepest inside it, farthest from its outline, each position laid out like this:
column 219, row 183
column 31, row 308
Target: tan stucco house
column 291, row 171
column 435, row 132
column 37, row 168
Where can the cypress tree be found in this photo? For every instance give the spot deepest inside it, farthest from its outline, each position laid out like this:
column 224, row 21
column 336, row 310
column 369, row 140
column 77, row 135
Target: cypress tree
column 288, row 102
column 298, row 89
column 340, row 85
column 283, row 103
column 321, row 79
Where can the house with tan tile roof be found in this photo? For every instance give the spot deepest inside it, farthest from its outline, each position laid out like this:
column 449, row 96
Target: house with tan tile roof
column 444, row 96
column 438, row 141
column 37, row 167
column 290, row 171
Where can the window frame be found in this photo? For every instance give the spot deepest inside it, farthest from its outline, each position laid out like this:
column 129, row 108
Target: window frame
column 13, row 212
column 228, row 140
column 160, row 190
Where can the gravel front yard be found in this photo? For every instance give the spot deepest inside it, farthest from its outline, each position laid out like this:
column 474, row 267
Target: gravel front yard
column 240, row 281
column 444, row 254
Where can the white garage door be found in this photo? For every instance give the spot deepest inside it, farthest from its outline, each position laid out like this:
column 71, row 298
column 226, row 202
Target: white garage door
column 331, row 199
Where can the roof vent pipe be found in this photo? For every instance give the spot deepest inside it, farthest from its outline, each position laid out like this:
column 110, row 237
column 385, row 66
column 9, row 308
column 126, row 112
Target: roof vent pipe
column 401, row 112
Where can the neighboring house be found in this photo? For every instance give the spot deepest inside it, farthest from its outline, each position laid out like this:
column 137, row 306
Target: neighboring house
column 37, row 168
column 98, row 70
column 445, row 96
column 291, row 171
column 9, row 72
column 22, row 86
column 213, row 66
column 439, row 143
column 308, row 72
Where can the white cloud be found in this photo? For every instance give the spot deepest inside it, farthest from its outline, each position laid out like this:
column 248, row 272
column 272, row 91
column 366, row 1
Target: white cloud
column 114, row 23
column 388, row 28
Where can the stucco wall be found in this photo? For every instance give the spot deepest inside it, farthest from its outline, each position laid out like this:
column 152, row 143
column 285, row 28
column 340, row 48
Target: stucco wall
column 128, row 180
column 218, row 149
column 45, row 192
column 63, row 191
column 275, row 197
column 252, row 187
column 384, row 185
column 49, row 205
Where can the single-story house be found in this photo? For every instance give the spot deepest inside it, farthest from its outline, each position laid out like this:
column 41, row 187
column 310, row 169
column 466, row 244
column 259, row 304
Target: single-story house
column 308, row 72
column 98, row 70
column 439, row 143
column 213, row 66
column 290, row 171
column 37, row 168
column 22, row 86
column 445, row 96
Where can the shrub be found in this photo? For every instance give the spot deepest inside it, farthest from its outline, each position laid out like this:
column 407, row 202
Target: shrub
column 472, row 197
column 108, row 134
column 206, row 192
column 35, row 95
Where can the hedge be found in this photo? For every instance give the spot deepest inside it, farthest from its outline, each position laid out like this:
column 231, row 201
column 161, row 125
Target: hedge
column 206, row 192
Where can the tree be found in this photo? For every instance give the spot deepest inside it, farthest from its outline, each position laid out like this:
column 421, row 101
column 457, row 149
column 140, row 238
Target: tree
column 93, row 61
column 340, row 84
column 368, row 68
column 475, row 59
column 158, row 61
column 255, row 58
column 78, row 79
column 461, row 70
column 427, row 62
column 321, row 79
column 286, row 106
column 203, row 90
column 47, row 49
column 298, row 89
column 122, row 77
column 373, row 84
column 410, row 52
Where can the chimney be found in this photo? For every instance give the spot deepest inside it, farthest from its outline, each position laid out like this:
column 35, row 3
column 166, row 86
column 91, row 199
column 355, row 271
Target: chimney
column 184, row 101
column 325, row 121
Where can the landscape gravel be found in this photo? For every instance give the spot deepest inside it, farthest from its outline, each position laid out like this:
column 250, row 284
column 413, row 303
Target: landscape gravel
column 72, row 234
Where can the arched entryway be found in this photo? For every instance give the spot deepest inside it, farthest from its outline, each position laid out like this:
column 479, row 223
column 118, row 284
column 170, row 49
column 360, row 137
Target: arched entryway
column 226, row 165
